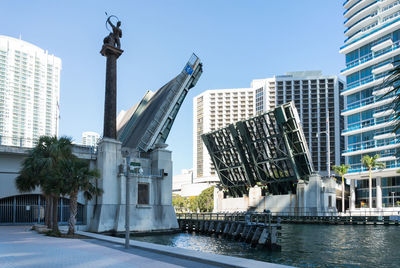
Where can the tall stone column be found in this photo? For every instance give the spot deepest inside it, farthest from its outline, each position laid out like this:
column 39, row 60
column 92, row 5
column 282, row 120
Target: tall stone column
column 379, row 193
column 352, row 195
column 110, row 102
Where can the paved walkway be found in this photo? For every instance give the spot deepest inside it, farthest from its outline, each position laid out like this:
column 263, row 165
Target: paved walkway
column 20, row 247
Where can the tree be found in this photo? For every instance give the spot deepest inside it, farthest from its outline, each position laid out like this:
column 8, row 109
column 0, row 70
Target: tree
column 78, row 177
column 42, row 169
column 192, row 204
column 341, row 170
column 179, row 202
column 371, row 163
column 205, row 200
column 30, row 177
column 393, row 82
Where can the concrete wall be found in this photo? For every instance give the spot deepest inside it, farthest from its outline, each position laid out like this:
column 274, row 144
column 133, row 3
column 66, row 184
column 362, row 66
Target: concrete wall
column 311, row 199
column 11, row 159
column 107, row 212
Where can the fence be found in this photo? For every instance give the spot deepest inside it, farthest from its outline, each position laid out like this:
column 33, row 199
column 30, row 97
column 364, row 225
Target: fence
column 29, row 209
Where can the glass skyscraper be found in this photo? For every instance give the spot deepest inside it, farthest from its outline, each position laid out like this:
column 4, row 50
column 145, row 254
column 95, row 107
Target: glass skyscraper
column 372, row 49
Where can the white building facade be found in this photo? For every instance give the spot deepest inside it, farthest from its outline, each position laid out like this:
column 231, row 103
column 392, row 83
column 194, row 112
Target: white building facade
column 90, row 138
column 179, row 180
column 29, row 92
column 214, row 109
column 372, row 49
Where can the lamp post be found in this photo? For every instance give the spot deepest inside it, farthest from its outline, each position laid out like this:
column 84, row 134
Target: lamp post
column 328, row 150
column 326, row 132
column 127, row 203
column 392, row 198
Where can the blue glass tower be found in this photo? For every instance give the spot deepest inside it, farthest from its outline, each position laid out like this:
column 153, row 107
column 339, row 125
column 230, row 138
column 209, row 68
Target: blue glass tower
column 372, row 49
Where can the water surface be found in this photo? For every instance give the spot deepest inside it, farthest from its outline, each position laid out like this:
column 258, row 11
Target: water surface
column 306, row 245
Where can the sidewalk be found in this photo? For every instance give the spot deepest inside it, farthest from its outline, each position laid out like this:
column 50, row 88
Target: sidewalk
column 21, row 247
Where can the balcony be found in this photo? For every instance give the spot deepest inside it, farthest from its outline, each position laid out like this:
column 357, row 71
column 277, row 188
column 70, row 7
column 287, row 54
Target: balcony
column 358, row 104
column 376, row 56
column 349, row 3
column 358, row 25
column 360, row 168
column 359, row 15
column 366, row 104
column 382, row 68
column 367, row 82
column 389, row 26
column 384, row 136
column 372, row 146
column 381, row 91
column 357, row 7
column 367, row 125
column 383, row 113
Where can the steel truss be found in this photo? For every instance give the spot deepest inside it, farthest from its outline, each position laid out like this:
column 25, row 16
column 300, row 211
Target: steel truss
column 269, row 149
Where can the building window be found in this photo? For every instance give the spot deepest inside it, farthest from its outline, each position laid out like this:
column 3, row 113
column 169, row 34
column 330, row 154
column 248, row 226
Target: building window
column 143, row 193
column 330, row 201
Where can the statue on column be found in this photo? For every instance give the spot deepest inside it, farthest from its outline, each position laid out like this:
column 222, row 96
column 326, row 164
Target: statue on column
column 113, row 38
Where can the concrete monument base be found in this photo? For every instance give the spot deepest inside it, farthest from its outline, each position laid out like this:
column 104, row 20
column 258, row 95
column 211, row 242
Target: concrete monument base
column 150, row 191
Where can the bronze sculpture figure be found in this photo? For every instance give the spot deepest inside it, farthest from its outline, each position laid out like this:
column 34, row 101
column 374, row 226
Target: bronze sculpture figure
column 113, row 38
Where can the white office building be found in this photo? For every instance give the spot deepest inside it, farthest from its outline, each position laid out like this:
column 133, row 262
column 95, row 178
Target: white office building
column 90, row 138
column 29, row 92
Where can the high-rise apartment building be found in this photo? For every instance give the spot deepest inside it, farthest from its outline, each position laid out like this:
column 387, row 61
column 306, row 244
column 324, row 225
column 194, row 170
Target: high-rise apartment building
column 371, row 48
column 214, row 109
column 90, row 138
column 29, row 92
column 318, row 102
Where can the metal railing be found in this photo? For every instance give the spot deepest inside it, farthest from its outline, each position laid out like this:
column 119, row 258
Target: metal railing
column 372, row 144
column 371, row 213
column 248, row 217
column 359, row 103
column 360, row 168
column 366, row 123
column 300, row 216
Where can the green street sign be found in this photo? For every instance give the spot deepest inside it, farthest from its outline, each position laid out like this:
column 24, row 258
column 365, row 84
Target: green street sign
column 135, row 164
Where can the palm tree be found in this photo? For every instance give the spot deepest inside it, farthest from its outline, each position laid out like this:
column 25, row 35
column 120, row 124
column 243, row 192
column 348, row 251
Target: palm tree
column 79, row 178
column 393, row 81
column 341, row 170
column 42, row 168
column 371, row 163
column 32, row 175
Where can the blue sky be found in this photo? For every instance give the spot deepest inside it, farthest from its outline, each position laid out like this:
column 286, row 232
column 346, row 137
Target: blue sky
column 237, row 41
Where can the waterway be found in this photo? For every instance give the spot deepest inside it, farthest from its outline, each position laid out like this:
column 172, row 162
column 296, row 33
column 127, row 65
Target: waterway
column 306, row 245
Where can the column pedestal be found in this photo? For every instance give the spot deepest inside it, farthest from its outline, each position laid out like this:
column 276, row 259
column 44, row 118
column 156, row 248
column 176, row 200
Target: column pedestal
column 106, row 210
column 110, row 101
column 379, row 193
column 352, row 195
